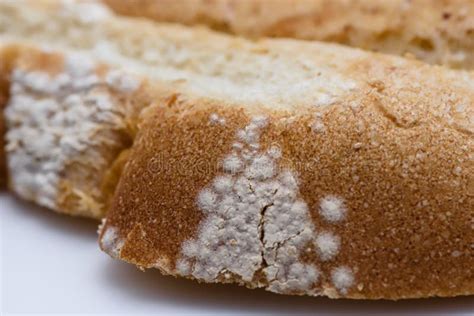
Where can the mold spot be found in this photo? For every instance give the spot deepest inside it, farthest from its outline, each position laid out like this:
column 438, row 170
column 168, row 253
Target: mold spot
column 332, row 209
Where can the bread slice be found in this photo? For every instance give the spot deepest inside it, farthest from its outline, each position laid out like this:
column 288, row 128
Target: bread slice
column 66, row 124
column 435, row 31
column 301, row 168
column 368, row 197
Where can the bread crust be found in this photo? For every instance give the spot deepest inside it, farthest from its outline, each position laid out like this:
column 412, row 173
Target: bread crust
column 404, row 177
column 396, row 27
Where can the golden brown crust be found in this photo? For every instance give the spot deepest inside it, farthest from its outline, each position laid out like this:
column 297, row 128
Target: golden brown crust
column 397, row 27
column 156, row 173
column 406, row 178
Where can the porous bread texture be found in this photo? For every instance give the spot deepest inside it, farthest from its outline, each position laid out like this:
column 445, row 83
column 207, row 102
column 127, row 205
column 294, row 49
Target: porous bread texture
column 276, row 74
column 66, row 123
column 202, row 62
column 435, row 31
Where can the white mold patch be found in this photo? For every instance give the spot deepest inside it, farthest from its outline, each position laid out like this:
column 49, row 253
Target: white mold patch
column 255, row 220
column 327, row 245
column 232, row 164
column 318, row 126
column 332, row 209
column 216, row 119
column 54, row 121
column 183, row 267
column 342, row 278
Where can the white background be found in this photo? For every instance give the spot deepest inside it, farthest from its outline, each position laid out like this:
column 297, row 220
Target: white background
column 51, row 263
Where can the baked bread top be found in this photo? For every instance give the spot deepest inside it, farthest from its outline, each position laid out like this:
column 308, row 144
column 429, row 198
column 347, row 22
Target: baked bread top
column 342, row 202
column 435, row 31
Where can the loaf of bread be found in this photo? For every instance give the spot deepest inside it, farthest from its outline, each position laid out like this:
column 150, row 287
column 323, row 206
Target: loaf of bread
column 301, row 168
column 435, row 31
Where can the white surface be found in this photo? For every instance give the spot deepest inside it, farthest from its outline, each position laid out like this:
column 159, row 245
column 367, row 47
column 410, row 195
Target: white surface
column 50, row 263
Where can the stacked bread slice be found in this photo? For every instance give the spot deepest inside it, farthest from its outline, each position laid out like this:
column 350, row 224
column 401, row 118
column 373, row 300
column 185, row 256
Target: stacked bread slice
column 436, row 31
column 298, row 167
